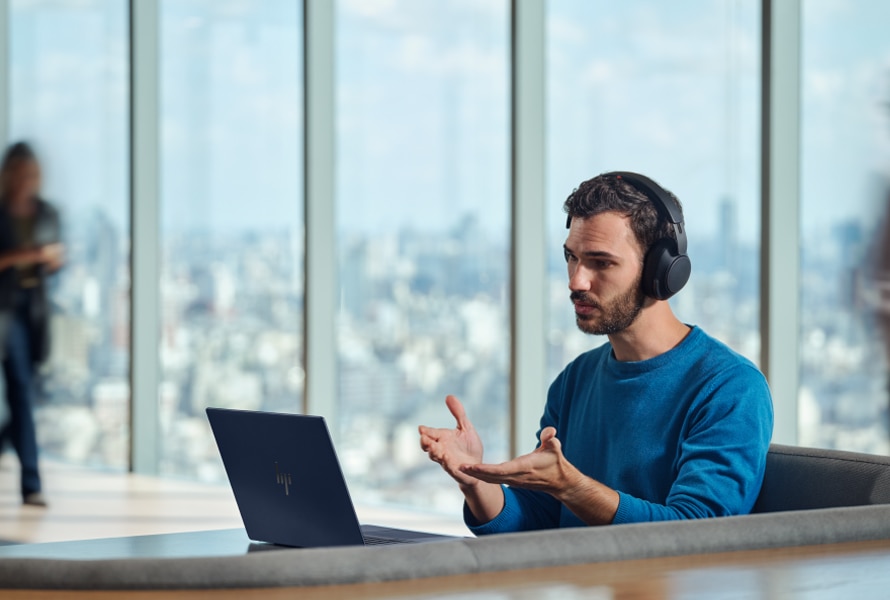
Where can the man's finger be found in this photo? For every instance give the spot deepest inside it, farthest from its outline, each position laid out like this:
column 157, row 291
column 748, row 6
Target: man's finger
column 485, row 475
column 460, row 415
column 549, row 441
column 428, row 441
column 506, row 469
column 547, row 434
column 476, row 470
column 490, row 478
column 433, row 433
column 433, row 450
column 555, row 445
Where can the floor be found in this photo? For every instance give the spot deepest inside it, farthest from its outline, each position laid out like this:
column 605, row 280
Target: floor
column 88, row 504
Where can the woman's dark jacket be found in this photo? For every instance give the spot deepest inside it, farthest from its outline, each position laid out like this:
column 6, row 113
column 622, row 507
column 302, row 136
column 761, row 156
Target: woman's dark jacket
column 47, row 230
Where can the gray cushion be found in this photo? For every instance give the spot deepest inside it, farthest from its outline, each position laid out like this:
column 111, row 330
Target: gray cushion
column 807, row 478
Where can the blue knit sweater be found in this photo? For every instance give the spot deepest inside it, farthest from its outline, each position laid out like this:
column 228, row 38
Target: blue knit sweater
column 683, row 435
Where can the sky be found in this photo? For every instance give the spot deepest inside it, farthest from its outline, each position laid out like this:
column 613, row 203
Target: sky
column 669, row 89
column 845, row 116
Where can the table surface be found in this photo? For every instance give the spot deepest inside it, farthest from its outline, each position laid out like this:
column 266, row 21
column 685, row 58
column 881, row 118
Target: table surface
column 203, row 544
column 854, row 570
column 222, row 542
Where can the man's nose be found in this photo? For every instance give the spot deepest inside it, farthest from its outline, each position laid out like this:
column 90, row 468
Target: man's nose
column 580, row 279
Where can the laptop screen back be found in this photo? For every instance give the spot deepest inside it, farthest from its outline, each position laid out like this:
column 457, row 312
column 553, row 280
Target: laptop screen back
column 286, row 478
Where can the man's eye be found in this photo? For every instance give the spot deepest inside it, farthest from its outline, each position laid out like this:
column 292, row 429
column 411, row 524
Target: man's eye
column 603, row 264
column 568, row 256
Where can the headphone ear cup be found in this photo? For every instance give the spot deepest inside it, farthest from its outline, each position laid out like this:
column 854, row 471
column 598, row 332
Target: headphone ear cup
column 654, row 264
column 665, row 271
column 678, row 274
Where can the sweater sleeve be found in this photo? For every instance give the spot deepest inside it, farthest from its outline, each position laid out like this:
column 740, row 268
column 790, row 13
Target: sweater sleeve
column 722, row 458
column 524, row 510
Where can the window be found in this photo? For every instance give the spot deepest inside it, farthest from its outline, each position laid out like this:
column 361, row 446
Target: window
column 232, row 225
column 845, row 231
column 674, row 96
column 423, row 232
column 423, row 209
column 68, row 97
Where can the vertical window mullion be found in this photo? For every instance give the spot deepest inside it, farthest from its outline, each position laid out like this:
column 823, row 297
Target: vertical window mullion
column 780, row 219
column 528, row 245
column 144, row 231
column 321, row 265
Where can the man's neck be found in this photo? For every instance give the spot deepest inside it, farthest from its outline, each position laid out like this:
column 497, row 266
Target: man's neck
column 655, row 331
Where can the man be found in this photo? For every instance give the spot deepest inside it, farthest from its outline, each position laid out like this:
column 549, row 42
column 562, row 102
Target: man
column 662, row 422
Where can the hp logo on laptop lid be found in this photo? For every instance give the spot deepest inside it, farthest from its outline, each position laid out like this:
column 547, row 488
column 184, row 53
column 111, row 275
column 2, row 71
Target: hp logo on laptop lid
column 283, row 479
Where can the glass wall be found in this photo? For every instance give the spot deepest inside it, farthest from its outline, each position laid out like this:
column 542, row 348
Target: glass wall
column 845, row 225
column 422, row 92
column 68, row 97
column 231, row 237
column 671, row 90
column 423, row 209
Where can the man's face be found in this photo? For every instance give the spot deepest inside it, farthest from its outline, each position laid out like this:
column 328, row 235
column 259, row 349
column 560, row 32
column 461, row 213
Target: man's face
column 605, row 267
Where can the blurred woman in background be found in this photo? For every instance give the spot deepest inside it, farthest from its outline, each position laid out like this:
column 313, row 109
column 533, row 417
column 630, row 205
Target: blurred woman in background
column 30, row 249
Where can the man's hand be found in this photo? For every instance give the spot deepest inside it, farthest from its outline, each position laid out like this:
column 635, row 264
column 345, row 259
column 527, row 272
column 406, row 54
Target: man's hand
column 547, row 470
column 452, row 448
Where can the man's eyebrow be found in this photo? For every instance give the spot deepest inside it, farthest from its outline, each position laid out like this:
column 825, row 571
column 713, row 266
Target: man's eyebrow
column 591, row 253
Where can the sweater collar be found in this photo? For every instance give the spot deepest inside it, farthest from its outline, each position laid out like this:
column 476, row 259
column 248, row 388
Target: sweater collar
column 675, row 354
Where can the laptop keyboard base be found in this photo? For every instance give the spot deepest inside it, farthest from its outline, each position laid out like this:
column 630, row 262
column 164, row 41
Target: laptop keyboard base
column 371, row 540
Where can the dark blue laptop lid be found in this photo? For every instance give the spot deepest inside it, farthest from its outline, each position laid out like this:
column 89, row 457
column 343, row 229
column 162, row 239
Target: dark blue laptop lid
column 286, row 478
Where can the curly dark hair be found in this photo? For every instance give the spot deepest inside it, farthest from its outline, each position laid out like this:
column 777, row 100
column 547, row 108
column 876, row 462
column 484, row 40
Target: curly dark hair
column 610, row 193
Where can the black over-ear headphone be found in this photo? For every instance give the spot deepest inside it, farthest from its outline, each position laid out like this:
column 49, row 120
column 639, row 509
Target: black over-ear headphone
column 666, row 267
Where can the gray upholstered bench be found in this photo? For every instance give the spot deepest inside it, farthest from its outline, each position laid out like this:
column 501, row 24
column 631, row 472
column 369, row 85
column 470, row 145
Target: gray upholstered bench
column 807, row 478
column 809, row 497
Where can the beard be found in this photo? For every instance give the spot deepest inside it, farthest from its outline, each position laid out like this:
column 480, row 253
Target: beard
column 614, row 316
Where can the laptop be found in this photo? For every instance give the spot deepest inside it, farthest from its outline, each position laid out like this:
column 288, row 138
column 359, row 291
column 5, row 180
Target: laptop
column 288, row 484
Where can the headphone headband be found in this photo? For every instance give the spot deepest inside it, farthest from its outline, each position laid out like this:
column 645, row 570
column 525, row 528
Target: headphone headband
column 663, row 201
